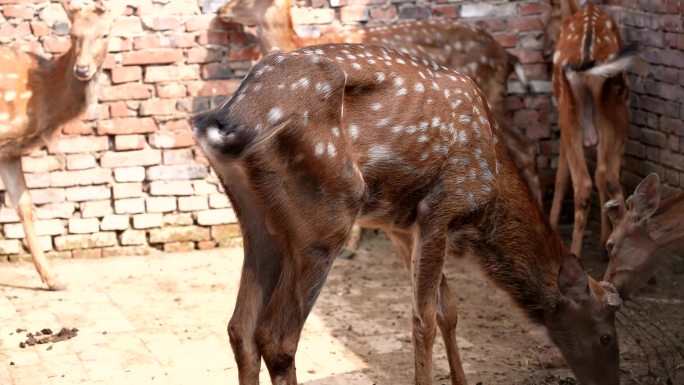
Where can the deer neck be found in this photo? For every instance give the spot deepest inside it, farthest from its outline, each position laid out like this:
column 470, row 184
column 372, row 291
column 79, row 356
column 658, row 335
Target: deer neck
column 277, row 29
column 520, row 238
column 57, row 80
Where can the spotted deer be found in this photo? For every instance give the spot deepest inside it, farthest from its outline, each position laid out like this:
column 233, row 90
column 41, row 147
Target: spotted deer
column 37, row 96
column 642, row 229
column 319, row 138
column 456, row 45
column 592, row 94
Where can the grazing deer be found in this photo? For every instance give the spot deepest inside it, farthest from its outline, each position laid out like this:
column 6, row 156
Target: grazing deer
column 37, row 96
column 641, row 229
column 317, row 139
column 592, row 94
column 459, row 46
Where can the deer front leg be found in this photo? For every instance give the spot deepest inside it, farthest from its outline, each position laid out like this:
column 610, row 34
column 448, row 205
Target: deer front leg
column 560, row 188
column 581, row 183
column 13, row 176
column 447, row 316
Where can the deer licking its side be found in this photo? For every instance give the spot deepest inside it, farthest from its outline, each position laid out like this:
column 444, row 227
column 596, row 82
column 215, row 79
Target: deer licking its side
column 37, row 96
column 641, row 230
column 592, row 93
column 316, row 139
column 455, row 45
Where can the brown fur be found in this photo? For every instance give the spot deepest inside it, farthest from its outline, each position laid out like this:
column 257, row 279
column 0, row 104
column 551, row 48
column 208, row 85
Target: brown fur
column 316, row 139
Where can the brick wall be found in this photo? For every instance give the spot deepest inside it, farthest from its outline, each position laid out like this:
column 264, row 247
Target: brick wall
column 656, row 132
column 127, row 179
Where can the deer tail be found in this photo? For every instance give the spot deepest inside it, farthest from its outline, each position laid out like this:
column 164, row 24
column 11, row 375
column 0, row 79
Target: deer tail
column 627, row 58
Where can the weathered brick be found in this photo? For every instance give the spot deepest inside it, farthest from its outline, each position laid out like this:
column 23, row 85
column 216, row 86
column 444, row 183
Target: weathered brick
column 129, row 142
column 179, row 247
column 171, row 90
column 192, row 203
column 127, row 190
column 175, row 172
column 158, row 107
column 85, row 241
column 84, row 225
column 178, row 219
column 120, row 126
column 80, row 162
column 92, row 209
column 129, row 206
column 127, row 26
column 114, row 222
column 128, row 251
column 43, row 227
column 179, row 234
column 216, row 217
column 8, row 215
column 153, row 56
column 205, row 55
column 38, row 180
column 162, row 23
column 129, row 174
column 202, row 187
column 218, row 201
column 133, row 237
column 200, row 22
column 63, row 210
column 213, row 87
column 147, row 220
column 119, row 44
column 160, row 204
column 313, row 16
column 48, row 195
column 182, row 156
column 482, row 10
column 206, row 245
column 222, row 232
column 172, row 139
column 126, row 74
column 88, row 193
column 87, row 253
column 18, row 11
column 122, row 109
column 126, row 91
column 155, row 74
column 80, row 177
column 171, row 187
column 42, row 164
column 10, row 246
column 130, row 158
column 78, row 144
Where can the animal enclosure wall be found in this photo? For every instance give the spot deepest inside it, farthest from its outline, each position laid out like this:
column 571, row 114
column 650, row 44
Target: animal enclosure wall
column 127, row 178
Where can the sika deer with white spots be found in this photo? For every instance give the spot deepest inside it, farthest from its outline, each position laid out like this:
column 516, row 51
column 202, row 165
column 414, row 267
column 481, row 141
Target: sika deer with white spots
column 453, row 44
column 303, row 153
column 37, row 96
column 591, row 89
column 642, row 230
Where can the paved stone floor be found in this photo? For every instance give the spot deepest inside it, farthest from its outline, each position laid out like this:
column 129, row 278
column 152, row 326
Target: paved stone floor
column 143, row 320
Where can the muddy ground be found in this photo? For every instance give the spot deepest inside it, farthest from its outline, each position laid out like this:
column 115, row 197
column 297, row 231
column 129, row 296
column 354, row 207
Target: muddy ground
column 371, row 293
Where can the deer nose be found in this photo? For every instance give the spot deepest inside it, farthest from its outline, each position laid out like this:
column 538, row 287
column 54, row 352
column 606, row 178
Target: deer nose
column 82, row 71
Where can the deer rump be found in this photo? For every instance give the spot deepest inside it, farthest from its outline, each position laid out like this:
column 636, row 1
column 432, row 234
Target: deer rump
column 588, row 82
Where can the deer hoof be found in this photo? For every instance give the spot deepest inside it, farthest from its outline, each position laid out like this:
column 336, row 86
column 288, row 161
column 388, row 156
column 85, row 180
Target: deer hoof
column 56, row 286
column 346, row 254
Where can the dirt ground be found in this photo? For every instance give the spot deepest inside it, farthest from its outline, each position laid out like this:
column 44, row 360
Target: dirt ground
column 162, row 319
column 498, row 345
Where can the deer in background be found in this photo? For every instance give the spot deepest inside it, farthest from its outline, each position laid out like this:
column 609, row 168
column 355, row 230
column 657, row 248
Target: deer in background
column 592, row 95
column 303, row 153
column 642, row 229
column 37, row 96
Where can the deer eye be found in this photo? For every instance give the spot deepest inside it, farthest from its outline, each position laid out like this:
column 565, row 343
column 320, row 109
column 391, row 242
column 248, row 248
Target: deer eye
column 609, row 247
column 606, row 339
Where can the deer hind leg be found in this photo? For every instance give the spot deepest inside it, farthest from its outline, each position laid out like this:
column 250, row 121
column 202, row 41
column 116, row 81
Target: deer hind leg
column 582, row 186
column 447, row 316
column 13, row 176
column 560, row 188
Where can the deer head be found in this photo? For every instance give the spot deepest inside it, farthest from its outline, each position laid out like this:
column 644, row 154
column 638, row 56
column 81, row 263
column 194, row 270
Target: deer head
column 560, row 9
column 246, row 12
column 91, row 22
column 636, row 236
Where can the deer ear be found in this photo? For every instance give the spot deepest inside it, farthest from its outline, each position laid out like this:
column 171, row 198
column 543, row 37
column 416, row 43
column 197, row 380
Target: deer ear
column 646, row 198
column 615, row 211
column 572, row 280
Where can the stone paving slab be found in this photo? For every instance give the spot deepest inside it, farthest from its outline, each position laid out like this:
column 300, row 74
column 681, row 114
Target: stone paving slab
column 144, row 320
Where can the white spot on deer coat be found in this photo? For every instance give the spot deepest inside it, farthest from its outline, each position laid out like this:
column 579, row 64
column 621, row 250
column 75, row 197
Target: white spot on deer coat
column 419, row 87
column 9, row 96
column 376, row 106
column 320, row 147
column 332, row 151
column 275, row 115
column 353, row 131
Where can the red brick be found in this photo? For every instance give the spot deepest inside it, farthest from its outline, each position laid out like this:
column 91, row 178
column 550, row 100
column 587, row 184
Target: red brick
column 153, row 56
column 182, row 40
column 130, row 158
column 172, row 139
column 154, row 74
column 216, row 71
column 42, row 164
column 48, row 195
column 121, row 110
column 244, row 53
column 353, row 13
column 171, row 90
column 18, row 11
column 313, row 16
column 76, row 127
column 126, row 74
column 56, row 44
column 127, row 26
column 213, row 87
column 524, row 24
column 147, row 42
column 127, row 190
column 124, row 92
column 531, row 8
column 38, row 28
column 129, row 142
column 213, row 37
column 119, row 44
column 79, row 144
column 175, row 125
column 162, row 23
column 528, row 56
column 158, row 107
column 196, row 23
column 507, row 40
column 120, row 126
